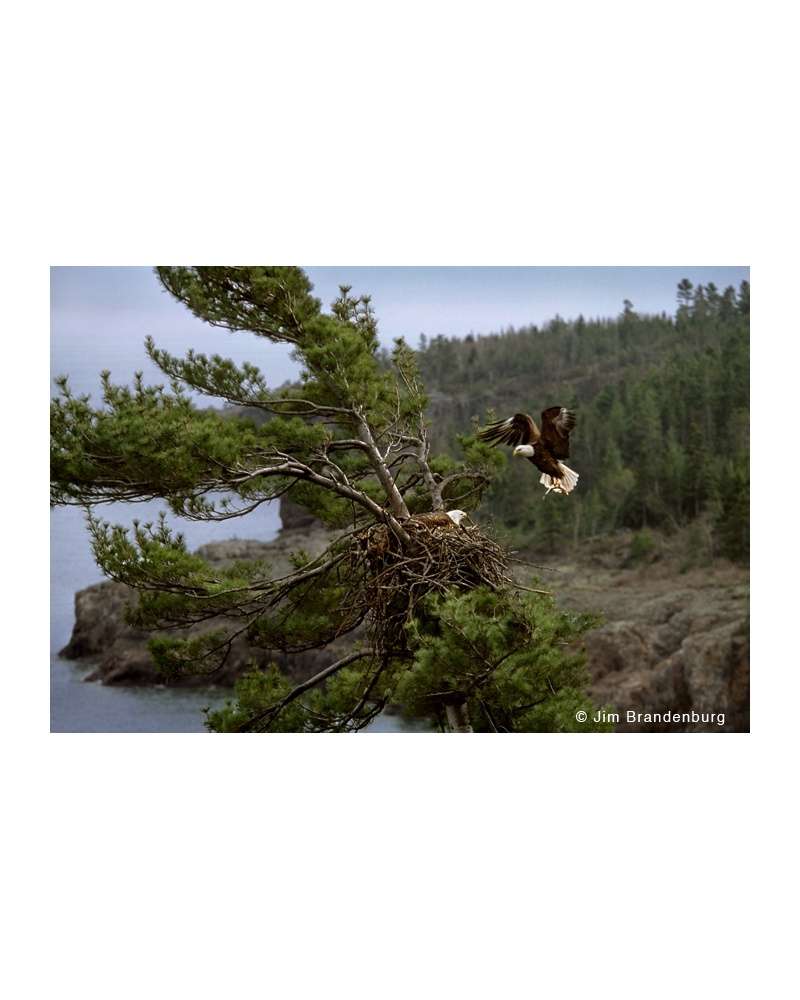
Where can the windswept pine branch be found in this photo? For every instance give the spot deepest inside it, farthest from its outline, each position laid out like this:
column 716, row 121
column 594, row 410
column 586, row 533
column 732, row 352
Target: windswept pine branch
column 262, row 721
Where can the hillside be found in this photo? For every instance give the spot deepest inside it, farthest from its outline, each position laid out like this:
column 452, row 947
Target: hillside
column 663, row 409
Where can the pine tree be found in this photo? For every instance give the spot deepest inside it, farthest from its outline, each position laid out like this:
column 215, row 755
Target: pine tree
column 732, row 525
column 447, row 630
column 685, row 294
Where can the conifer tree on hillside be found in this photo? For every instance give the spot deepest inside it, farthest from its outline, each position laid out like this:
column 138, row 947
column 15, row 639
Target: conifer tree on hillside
column 445, row 628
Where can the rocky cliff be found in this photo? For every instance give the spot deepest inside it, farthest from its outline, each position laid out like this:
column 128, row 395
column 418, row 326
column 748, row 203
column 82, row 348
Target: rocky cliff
column 675, row 640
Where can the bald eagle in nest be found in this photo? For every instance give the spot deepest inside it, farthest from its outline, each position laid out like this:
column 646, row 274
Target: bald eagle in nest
column 449, row 520
column 377, row 537
column 544, row 448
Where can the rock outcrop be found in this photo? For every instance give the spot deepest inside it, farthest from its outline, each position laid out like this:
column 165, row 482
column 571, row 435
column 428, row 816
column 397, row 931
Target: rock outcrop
column 673, row 644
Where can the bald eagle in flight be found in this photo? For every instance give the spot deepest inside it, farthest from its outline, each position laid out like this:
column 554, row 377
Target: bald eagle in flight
column 544, row 448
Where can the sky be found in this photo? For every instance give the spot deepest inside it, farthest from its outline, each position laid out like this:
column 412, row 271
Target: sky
column 101, row 315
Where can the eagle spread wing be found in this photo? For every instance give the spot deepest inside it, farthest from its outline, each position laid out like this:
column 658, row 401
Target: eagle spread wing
column 519, row 429
column 557, row 422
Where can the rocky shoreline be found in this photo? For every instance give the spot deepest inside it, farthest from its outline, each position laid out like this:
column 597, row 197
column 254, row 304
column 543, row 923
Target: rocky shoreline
column 675, row 640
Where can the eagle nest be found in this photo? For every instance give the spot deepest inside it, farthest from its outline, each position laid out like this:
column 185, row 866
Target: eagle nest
column 371, row 577
column 396, row 577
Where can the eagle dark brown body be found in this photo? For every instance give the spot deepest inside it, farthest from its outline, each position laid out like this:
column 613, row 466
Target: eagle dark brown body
column 545, row 448
column 441, row 520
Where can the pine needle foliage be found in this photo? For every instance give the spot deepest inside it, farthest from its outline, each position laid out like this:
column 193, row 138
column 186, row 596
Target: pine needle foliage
column 442, row 618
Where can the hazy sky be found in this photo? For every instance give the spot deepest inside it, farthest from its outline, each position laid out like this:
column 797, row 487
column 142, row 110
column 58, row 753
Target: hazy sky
column 101, row 315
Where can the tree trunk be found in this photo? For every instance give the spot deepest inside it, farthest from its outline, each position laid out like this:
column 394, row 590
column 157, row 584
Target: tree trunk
column 458, row 718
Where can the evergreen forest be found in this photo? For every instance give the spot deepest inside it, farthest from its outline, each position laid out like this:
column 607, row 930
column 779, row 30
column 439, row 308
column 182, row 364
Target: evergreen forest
column 662, row 402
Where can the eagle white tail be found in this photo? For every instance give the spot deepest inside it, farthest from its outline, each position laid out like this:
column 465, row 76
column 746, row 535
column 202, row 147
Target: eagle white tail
column 564, row 485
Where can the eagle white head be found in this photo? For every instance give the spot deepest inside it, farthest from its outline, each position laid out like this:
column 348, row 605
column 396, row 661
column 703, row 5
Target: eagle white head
column 523, row 451
column 457, row 516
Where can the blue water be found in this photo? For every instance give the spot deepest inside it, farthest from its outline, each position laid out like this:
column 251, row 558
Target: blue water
column 78, row 707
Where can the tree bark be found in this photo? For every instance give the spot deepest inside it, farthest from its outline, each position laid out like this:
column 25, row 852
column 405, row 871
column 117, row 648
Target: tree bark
column 458, row 718
column 378, row 463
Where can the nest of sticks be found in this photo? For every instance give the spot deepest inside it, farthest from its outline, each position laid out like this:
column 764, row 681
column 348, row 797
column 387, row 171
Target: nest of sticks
column 396, row 577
